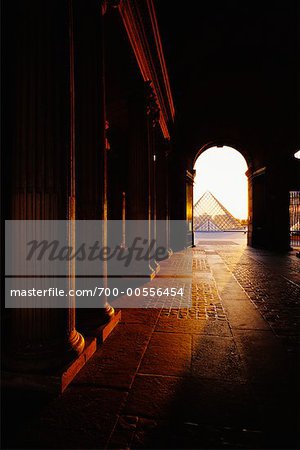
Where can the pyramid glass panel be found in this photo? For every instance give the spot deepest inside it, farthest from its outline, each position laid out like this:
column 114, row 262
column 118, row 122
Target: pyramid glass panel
column 211, row 215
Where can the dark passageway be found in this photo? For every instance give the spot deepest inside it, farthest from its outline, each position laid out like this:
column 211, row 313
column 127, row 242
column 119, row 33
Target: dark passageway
column 193, row 339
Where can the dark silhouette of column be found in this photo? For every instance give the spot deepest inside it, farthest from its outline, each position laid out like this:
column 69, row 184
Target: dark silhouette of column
column 91, row 148
column 40, row 164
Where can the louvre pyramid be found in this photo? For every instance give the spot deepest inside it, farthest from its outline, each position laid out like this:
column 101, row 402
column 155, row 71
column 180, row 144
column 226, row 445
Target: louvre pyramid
column 211, row 215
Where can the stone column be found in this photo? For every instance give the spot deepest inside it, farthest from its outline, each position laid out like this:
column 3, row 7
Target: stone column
column 91, row 148
column 177, row 200
column 250, row 207
column 277, row 200
column 139, row 180
column 257, row 233
column 153, row 113
column 162, row 194
column 137, row 185
column 189, row 207
column 269, row 187
column 41, row 164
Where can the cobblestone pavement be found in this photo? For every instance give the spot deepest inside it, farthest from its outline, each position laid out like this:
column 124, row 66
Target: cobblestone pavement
column 205, row 300
column 276, row 297
column 217, row 374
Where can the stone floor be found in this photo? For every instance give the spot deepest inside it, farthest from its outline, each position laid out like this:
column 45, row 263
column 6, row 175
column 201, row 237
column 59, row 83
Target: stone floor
column 222, row 373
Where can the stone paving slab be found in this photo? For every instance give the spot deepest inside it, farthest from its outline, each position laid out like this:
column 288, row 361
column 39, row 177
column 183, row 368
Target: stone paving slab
column 193, row 326
column 81, row 418
column 264, row 356
column 115, row 364
column 140, row 432
column 138, row 316
column 244, row 316
column 192, row 399
column 216, row 358
column 167, row 354
column 279, row 411
column 230, row 291
column 150, row 396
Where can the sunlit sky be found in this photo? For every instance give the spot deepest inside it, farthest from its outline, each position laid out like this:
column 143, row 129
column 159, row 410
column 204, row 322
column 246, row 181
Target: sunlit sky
column 222, row 172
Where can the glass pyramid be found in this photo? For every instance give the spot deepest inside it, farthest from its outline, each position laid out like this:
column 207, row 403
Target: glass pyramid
column 211, row 215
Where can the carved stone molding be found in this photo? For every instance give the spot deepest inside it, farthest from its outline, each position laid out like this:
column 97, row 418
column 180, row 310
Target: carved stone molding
column 105, row 4
column 153, row 110
column 139, row 19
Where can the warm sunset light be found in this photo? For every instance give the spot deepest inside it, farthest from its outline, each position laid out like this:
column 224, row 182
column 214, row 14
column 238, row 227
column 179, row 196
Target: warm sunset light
column 145, row 304
column 222, row 172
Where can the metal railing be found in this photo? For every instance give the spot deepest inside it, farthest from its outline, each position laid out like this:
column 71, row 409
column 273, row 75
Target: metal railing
column 295, row 219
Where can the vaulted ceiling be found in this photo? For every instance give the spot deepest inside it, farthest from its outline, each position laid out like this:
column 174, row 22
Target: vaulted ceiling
column 233, row 70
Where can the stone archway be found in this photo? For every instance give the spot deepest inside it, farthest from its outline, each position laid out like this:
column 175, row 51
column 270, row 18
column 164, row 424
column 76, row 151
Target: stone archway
column 225, row 142
column 244, row 153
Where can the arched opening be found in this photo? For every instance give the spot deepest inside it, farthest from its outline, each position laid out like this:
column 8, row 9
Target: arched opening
column 220, row 195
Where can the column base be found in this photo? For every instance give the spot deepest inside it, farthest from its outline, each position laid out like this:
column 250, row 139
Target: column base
column 98, row 323
column 151, row 271
column 170, row 252
column 102, row 332
column 44, row 360
column 55, row 381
